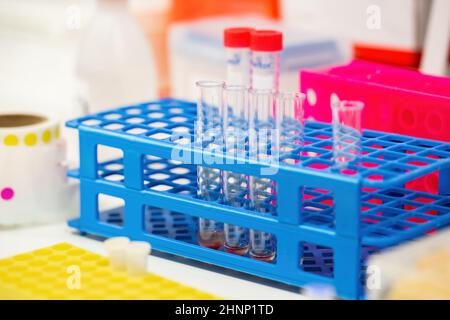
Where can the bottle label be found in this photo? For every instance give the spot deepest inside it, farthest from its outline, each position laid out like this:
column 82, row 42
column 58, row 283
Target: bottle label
column 265, row 70
column 238, row 67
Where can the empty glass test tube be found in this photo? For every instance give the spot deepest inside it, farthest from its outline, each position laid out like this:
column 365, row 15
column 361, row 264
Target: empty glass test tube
column 263, row 140
column 235, row 128
column 209, row 135
column 289, row 109
column 347, row 132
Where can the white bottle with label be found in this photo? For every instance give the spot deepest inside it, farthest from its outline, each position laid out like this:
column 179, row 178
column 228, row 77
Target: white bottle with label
column 266, row 46
column 115, row 65
column 237, row 44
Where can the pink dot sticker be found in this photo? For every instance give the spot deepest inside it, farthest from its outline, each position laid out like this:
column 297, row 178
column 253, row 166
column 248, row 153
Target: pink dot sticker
column 7, row 194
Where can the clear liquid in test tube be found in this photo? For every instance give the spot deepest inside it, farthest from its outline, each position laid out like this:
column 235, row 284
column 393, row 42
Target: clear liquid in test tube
column 235, row 184
column 263, row 139
column 208, row 133
column 347, row 132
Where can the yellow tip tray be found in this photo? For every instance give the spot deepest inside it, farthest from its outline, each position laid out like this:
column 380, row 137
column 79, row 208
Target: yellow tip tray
column 66, row 272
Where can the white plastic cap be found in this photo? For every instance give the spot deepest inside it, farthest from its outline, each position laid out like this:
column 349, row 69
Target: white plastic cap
column 319, row 291
column 137, row 257
column 117, row 248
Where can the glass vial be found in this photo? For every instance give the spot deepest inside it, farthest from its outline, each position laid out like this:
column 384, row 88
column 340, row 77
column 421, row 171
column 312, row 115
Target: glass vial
column 235, row 129
column 263, row 139
column 347, row 132
column 209, row 136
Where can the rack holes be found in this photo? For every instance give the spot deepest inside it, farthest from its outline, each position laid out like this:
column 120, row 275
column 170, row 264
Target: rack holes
column 160, row 136
column 156, row 115
column 159, row 176
column 110, row 209
column 115, row 177
column 161, row 187
column 179, row 170
column 316, row 259
column 158, row 124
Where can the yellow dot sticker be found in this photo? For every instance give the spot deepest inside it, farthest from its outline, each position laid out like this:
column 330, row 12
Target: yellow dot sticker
column 11, row 140
column 30, row 139
column 47, row 136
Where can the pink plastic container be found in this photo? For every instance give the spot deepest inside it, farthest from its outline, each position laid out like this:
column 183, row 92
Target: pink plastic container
column 397, row 100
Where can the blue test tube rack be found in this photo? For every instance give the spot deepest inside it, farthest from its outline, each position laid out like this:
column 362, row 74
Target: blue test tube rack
column 323, row 236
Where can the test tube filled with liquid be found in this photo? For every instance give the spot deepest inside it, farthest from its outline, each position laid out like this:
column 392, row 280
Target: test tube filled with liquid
column 235, row 129
column 209, row 136
column 347, row 132
column 262, row 190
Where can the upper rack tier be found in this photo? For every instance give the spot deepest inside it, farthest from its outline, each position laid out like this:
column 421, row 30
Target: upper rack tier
column 387, row 159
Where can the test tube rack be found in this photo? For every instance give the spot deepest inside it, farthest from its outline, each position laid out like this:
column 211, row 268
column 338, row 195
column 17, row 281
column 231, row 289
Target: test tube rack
column 326, row 222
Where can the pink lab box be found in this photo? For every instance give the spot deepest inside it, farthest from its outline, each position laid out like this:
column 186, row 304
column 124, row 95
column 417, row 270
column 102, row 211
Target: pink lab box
column 397, row 100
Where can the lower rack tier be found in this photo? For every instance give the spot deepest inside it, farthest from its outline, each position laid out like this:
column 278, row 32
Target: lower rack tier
column 388, row 216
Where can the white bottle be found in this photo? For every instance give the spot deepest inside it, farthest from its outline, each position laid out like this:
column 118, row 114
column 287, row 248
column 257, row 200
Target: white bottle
column 115, row 64
column 266, row 46
column 237, row 44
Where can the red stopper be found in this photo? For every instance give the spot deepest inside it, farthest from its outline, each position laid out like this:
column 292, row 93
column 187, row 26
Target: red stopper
column 237, row 37
column 266, row 40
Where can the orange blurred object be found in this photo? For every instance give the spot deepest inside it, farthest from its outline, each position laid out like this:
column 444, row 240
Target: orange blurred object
column 183, row 10
column 386, row 55
column 155, row 24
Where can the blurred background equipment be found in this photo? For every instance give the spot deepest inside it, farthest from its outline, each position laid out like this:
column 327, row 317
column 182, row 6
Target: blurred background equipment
column 196, row 52
column 437, row 43
column 115, row 64
column 417, row 270
column 182, row 10
column 384, row 31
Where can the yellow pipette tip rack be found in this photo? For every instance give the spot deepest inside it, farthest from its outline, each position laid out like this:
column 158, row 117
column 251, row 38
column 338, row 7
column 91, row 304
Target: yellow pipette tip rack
column 66, row 272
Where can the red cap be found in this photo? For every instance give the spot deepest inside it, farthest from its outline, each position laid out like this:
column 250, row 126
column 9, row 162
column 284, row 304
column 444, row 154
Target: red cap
column 237, row 37
column 266, row 40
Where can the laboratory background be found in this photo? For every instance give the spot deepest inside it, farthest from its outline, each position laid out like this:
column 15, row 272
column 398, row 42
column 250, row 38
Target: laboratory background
column 238, row 149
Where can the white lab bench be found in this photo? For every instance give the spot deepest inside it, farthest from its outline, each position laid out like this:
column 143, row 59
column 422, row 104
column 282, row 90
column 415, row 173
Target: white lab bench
column 218, row 281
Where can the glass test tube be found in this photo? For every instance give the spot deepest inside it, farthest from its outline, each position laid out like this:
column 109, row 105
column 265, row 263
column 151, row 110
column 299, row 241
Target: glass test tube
column 235, row 184
column 209, row 135
column 262, row 190
column 289, row 108
column 347, row 132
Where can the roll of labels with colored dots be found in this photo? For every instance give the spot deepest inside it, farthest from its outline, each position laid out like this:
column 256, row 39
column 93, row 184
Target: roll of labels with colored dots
column 28, row 130
column 33, row 183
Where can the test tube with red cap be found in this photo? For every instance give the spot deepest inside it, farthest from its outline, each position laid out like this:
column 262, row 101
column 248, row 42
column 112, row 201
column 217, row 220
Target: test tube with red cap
column 266, row 46
column 237, row 44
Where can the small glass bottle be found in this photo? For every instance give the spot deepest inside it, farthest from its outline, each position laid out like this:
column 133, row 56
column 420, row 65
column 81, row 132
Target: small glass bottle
column 347, row 132
column 209, row 135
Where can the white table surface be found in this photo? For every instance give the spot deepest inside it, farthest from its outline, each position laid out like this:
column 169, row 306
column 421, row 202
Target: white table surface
column 218, row 281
